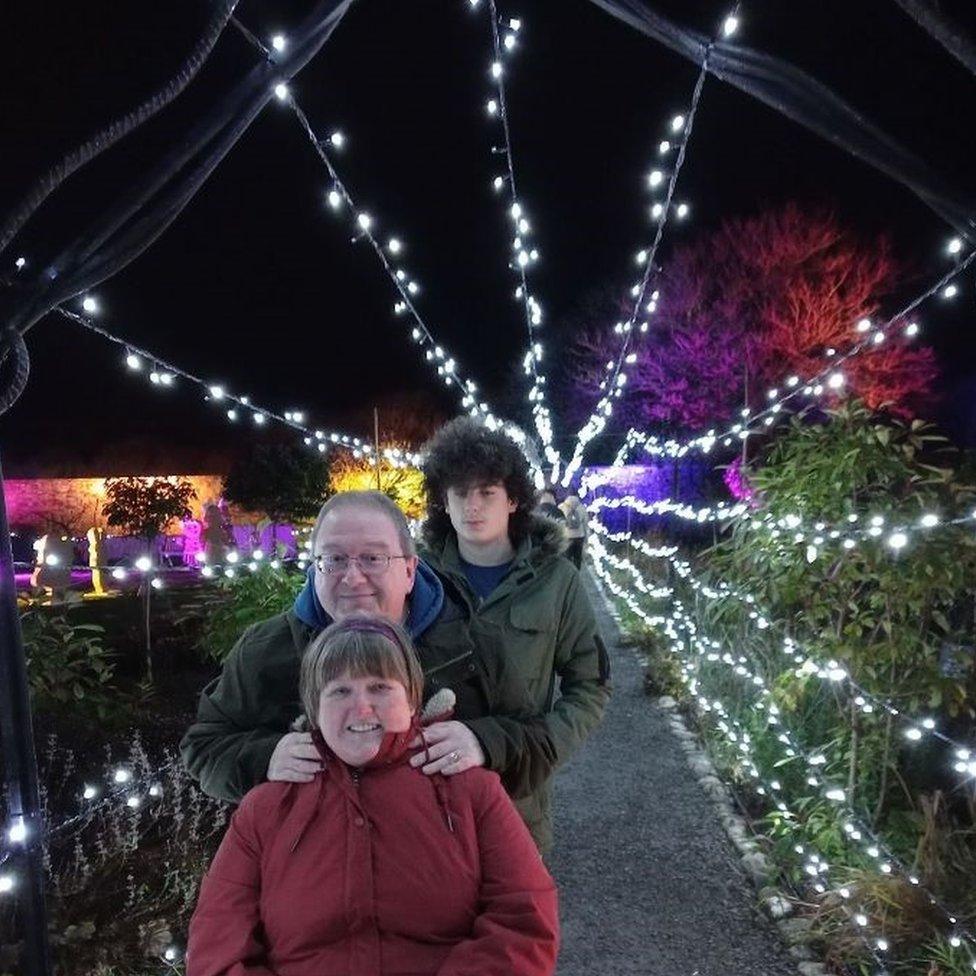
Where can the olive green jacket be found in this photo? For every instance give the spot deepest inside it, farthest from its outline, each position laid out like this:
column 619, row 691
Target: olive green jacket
column 243, row 713
column 549, row 630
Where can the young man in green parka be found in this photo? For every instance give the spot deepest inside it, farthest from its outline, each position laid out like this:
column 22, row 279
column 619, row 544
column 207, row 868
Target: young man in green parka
column 482, row 535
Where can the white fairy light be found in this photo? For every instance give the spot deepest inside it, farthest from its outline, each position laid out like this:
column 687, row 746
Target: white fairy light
column 950, row 291
column 364, row 220
column 677, row 123
column 121, row 775
column 730, row 25
column 156, row 583
column 278, row 42
column 954, row 246
column 133, row 361
column 143, row 564
column 6, row 883
column 337, row 139
column 90, row 304
column 89, row 792
column 17, row 832
column 335, row 199
column 682, row 210
column 281, row 92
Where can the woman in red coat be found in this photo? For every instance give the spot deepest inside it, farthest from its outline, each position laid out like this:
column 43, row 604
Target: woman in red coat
column 373, row 868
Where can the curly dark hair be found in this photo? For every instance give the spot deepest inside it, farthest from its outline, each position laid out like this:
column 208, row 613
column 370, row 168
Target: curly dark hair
column 464, row 453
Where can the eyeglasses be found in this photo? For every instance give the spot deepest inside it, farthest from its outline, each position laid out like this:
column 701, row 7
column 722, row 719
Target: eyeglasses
column 369, row 564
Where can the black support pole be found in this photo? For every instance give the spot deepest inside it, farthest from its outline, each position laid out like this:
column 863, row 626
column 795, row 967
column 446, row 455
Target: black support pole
column 20, row 767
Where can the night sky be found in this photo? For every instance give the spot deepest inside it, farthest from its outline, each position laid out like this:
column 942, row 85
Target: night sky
column 257, row 286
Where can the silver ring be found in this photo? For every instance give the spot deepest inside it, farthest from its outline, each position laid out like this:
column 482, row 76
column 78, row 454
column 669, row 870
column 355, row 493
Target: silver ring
column 454, row 757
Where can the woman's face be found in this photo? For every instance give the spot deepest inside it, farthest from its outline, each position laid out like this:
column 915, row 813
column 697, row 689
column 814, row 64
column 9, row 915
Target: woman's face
column 355, row 713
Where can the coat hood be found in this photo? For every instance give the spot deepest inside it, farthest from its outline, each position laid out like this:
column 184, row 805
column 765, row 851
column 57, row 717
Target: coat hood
column 546, row 539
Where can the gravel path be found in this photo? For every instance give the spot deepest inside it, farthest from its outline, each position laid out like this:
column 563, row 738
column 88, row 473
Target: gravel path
column 649, row 882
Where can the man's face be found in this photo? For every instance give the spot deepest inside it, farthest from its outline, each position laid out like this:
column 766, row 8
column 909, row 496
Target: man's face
column 361, row 532
column 479, row 513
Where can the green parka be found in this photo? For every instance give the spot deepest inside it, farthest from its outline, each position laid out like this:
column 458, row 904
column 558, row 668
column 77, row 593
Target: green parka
column 549, row 630
column 242, row 714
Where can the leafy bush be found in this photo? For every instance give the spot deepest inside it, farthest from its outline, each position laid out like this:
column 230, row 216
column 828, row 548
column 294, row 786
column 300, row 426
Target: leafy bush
column 67, row 663
column 237, row 603
column 900, row 623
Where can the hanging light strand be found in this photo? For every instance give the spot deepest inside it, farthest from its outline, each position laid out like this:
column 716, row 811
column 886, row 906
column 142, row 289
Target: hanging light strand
column 137, row 358
column 524, row 253
column 339, row 195
column 614, row 383
column 436, row 354
column 857, row 834
column 827, row 381
column 915, row 728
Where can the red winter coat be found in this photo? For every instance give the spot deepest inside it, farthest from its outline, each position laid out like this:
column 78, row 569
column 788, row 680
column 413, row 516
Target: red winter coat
column 374, row 873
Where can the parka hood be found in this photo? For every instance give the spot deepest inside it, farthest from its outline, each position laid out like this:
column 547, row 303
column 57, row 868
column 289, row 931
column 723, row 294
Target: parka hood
column 546, row 540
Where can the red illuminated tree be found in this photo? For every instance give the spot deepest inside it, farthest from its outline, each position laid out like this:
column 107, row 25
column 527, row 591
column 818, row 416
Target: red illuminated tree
column 746, row 306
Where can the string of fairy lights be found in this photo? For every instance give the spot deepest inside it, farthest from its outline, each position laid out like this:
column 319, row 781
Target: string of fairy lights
column 678, row 136
column 340, row 201
column 857, row 834
column 122, row 785
column 505, row 40
column 895, row 531
column 915, row 728
column 828, row 381
column 163, row 374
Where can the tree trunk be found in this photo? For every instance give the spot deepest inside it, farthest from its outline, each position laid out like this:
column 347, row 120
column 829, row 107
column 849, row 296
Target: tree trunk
column 885, row 760
column 146, row 607
column 855, row 743
column 147, row 587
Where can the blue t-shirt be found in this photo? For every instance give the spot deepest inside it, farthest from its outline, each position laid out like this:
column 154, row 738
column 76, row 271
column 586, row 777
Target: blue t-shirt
column 484, row 579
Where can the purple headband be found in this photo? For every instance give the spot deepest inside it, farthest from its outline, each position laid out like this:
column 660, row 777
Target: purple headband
column 367, row 625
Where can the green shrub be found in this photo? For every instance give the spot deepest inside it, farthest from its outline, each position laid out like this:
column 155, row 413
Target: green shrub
column 235, row 604
column 67, row 663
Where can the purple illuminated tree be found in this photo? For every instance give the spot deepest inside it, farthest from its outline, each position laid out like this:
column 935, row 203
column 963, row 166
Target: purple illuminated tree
column 741, row 309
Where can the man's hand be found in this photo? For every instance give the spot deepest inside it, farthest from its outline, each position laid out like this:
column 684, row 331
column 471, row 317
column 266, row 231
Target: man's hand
column 295, row 759
column 451, row 748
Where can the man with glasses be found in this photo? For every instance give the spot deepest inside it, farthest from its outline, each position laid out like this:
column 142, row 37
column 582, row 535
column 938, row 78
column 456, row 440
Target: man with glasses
column 365, row 562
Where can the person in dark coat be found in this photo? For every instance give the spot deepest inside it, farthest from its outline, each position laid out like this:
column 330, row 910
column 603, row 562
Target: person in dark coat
column 370, row 867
